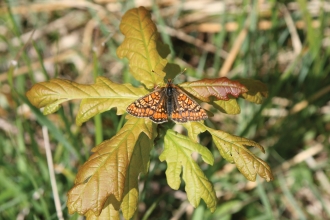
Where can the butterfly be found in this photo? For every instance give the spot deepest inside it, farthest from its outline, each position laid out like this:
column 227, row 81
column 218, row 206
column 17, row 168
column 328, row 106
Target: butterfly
column 167, row 102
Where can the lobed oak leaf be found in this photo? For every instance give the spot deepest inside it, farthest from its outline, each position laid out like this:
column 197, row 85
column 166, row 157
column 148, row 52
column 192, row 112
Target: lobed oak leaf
column 257, row 90
column 110, row 95
column 96, row 98
column 139, row 164
column 194, row 129
column 108, row 212
column 234, row 150
column 220, row 88
column 104, row 173
column 52, row 93
column 229, row 106
column 177, row 153
column 172, row 70
column 141, row 47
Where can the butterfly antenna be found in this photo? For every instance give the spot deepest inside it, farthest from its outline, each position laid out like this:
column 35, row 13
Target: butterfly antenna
column 155, row 72
column 184, row 70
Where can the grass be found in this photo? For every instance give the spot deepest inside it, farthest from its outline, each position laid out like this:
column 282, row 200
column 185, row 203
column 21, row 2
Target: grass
column 285, row 45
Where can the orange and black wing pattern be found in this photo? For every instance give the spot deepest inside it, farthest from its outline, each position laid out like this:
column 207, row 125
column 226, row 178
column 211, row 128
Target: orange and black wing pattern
column 169, row 101
column 185, row 108
column 151, row 106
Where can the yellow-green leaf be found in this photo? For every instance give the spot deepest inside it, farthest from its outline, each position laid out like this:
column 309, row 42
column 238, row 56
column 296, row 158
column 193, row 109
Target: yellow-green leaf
column 234, row 150
column 194, row 129
column 227, row 106
column 96, row 98
column 52, row 93
column 257, row 90
column 104, row 173
column 110, row 95
column 177, row 153
column 108, row 212
column 141, row 47
column 139, row 164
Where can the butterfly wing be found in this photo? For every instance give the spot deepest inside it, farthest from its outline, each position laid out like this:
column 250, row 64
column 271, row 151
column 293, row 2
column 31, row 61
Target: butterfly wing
column 160, row 115
column 185, row 108
column 151, row 106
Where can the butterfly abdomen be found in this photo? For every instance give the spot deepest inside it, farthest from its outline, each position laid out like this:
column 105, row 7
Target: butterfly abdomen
column 169, row 95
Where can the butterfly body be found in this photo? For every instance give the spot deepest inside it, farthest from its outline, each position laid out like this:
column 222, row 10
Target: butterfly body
column 169, row 90
column 167, row 102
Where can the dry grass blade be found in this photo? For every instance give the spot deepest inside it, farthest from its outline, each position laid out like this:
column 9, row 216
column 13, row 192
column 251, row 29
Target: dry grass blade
column 52, row 174
column 233, row 53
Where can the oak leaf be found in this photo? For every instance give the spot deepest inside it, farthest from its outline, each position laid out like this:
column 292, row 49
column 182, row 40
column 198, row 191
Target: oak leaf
column 104, row 174
column 229, row 106
column 219, row 88
column 177, row 153
column 141, row 47
column 257, row 91
column 234, row 150
column 139, row 164
column 96, row 98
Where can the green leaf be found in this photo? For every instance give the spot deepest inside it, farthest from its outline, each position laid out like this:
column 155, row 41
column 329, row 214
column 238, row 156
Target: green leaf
column 194, row 129
column 177, row 153
column 111, row 95
column 227, row 106
column 141, row 47
column 109, row 212
column 104, row 174
column 96, row 98
column 234, row 150
column 257, row 90
column 139, row 164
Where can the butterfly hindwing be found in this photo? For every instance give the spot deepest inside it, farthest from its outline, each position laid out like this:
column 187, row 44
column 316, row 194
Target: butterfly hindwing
column 160, row 114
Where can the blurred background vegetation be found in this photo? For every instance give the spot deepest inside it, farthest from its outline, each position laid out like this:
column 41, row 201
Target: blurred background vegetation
column 285, row 44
